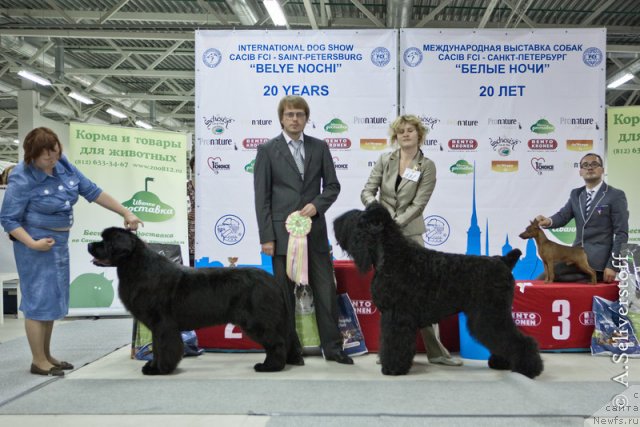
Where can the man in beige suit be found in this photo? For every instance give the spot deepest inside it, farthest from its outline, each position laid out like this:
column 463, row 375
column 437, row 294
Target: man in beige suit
column 406, row 179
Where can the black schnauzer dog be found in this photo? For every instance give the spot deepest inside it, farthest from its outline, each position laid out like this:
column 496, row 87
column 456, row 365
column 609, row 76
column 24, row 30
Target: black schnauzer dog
column 414, row 287
column 169, row 298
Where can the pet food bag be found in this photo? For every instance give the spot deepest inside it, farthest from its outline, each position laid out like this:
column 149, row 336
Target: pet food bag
column 306, row 325
column 352, row 338
column 617, row 323
column 142, row 344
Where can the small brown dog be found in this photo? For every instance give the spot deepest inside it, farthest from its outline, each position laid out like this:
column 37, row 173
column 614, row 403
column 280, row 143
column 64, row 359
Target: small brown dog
column 551, row 252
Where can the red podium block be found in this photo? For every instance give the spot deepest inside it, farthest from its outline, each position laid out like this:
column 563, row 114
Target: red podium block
column 357, row 286
column 225, row 338
column 558, row 315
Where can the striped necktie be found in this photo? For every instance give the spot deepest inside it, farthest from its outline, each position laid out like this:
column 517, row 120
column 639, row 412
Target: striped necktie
column 587, row 205
column 297, row 155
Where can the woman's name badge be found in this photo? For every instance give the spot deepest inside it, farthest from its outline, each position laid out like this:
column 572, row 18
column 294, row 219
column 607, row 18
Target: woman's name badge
column 411, row 174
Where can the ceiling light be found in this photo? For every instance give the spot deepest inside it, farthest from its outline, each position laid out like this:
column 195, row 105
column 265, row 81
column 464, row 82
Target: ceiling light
column 116, row 113
column 34, row 78
column 619, row 82
column 16, row 141
column 81, row 98
column 142, row 124
column 275, row 12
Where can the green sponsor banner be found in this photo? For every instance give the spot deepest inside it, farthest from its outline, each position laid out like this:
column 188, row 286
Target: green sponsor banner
column 145, row 170
column 623, row 156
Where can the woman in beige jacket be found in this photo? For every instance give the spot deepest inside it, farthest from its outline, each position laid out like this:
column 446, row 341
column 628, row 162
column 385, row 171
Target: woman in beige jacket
column 406, row 179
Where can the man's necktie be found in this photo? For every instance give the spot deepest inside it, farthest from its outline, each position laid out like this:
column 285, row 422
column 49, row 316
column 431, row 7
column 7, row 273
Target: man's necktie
column 587, row 205
column 297, row 155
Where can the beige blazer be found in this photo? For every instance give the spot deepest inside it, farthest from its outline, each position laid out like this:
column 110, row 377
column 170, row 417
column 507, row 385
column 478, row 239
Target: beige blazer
column 408, row 203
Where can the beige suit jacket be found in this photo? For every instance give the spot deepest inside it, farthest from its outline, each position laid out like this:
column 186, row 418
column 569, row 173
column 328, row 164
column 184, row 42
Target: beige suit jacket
column 408, row 203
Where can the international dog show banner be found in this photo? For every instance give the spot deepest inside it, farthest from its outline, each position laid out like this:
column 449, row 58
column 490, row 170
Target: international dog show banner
column 623, row 152
column 510, row 113
column 348, row 77
column 146, row 171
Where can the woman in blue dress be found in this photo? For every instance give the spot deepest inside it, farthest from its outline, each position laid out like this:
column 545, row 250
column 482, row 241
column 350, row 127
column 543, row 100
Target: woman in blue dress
column 37, row 212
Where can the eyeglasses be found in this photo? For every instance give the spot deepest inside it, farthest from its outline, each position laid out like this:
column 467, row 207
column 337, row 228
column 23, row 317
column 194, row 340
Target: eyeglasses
column 292, row 114
column 590, row 165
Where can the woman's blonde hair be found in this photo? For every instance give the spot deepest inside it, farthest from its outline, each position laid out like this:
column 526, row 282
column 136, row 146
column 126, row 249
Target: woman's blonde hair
column 407, row 119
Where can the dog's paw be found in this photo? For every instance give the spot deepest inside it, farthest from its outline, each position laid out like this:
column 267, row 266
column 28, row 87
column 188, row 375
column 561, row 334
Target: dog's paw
column 264, row 367
column 394, row 372
column 297, row 360
column 499, row 362
column 150, row 369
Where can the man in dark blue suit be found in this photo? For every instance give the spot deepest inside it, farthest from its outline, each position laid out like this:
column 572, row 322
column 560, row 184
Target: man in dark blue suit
column 309, row 185
column 602, row 223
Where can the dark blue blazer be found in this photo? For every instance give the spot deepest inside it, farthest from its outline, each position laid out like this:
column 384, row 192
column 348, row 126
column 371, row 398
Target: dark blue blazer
column 605, row 229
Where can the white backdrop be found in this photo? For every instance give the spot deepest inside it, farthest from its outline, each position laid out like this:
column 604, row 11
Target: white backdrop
column 513, row 109
column 519, row 108
column 348, row 78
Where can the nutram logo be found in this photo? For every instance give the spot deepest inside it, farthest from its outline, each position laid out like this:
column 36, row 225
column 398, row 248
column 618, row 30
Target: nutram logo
column 338, row 143
column 463, row 144
column 580, row 144
column 374, row 144
column 542, row 144
column 524, row 318
column 252, row 143
column 504, row 165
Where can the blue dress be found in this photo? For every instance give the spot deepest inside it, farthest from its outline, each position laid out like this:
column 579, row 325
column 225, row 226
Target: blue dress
column 40, row 203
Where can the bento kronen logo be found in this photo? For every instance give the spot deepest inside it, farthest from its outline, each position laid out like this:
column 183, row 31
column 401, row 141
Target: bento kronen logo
column 526, row 318
column 363, row 306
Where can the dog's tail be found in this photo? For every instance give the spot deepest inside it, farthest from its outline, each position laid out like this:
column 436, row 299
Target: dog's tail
column 511, row 258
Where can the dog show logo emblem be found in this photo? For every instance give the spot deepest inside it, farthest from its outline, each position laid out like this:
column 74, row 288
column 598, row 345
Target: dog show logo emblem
column 229, row 229
column 338, row 143
column 587, row 318
column 579, row 144
column 524, row 318
column 538, row 165
column 148, row 207
column 504, row 165
column 542, row 126
column 212, row 57
column 374, row 144
column 461, row 167
column 216, row 165
column 592, row 57
column 336, row 126
column 380, row 56
column 438, row 230
column 462, row 144
column 503, row 146
column 412, row 57
column 543, row 144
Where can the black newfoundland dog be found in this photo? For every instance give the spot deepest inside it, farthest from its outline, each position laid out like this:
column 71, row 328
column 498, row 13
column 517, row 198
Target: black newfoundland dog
column 169, row 298
column 414, row 287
